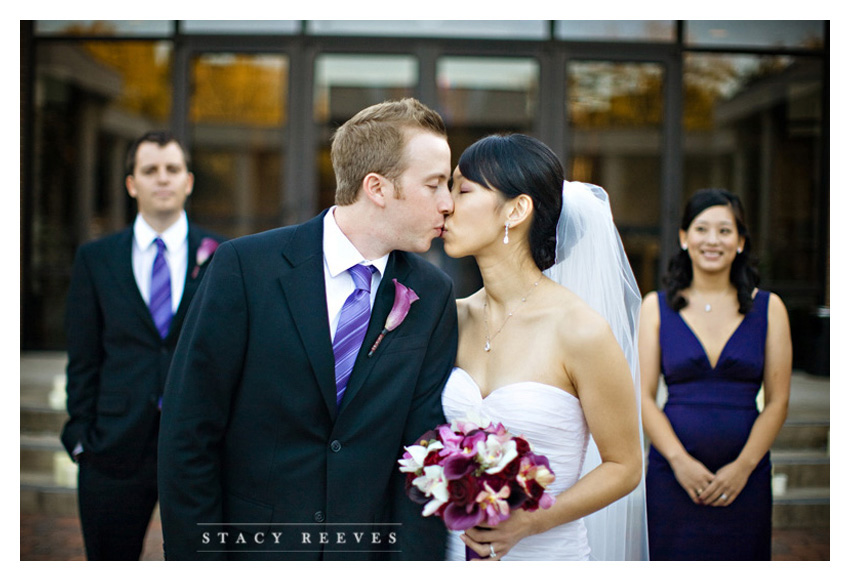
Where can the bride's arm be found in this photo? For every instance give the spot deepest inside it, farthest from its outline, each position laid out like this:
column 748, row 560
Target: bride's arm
column 600, row 374
column 691, row 474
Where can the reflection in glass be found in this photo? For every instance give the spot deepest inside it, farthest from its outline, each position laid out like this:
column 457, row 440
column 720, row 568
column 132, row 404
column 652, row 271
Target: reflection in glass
column 104, row 27
column 240, row 26
column 615, row 114
column 91, row 100
column 479, row 96
column 616, row 30
column 755, row 33
column 346, row 84
column 237, row 111
column 752, row 126
column 515, row 29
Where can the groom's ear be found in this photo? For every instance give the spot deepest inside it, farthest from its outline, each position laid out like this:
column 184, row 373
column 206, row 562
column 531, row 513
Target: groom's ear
column 523, row 208
column 377, row 188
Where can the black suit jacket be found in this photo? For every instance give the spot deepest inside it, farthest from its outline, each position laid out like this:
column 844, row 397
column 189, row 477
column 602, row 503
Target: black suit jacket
column 117, row 362
column 251, row 436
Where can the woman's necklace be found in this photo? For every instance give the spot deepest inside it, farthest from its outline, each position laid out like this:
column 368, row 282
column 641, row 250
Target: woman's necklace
column 721, row 296
column 487, row 346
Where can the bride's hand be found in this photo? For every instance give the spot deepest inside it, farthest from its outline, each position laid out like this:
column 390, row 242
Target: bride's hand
column 693, row 476
column 502, row 537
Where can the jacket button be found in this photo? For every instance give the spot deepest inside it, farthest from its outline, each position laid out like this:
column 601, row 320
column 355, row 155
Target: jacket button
column 319, row 516
column 336, row 446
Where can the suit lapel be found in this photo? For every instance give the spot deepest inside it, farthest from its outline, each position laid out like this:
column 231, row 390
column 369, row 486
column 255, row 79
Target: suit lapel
column 399, row 268
column 304, row 288
column 120, row 264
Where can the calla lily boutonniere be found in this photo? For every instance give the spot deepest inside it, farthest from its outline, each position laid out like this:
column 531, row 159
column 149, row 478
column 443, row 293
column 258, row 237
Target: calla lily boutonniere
column 404, row 297
column 205, row 250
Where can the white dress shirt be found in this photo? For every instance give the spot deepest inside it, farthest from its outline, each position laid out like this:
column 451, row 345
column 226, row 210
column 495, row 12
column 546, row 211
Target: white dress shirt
column 340, row 255
column 176, row 240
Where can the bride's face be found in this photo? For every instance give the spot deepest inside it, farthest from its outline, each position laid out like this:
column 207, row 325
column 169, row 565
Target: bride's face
column 476, row 222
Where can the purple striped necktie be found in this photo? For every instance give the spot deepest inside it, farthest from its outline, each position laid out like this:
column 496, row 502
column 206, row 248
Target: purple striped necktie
column 160, row 303
column 351, row 329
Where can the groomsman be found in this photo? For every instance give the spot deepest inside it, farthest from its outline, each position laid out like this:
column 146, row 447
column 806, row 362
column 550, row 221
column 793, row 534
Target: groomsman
column 128, row 297
column 284, row 417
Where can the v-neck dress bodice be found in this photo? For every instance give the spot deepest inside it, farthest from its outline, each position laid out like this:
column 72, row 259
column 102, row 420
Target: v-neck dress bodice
column 552, row 421
column 712, row 410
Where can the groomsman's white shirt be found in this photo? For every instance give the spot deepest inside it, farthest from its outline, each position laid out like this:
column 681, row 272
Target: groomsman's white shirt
column 176, row 240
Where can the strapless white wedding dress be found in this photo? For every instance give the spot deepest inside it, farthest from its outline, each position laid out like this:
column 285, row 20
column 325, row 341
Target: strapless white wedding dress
column 553, row 422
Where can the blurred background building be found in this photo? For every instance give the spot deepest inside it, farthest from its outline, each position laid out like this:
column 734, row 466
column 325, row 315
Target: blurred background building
column 650, row 110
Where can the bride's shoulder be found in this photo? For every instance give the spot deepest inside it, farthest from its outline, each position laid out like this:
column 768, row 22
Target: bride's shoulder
column 578, row 324
column 467, row 304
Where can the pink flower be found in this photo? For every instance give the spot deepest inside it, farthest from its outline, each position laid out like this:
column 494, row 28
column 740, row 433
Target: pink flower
column 404, row 297
column 205, row 250
column 494, row 504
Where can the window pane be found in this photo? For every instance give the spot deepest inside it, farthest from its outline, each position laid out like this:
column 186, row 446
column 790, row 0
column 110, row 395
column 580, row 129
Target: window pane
column 346, row 84
column 514, row 29
column 755, row 33
column 238, row 115
column 753, row 127
column 623, row 30
column 240, row 26
column 104, row 27
column 615, row 116
column 91, row 100
column 478, row 97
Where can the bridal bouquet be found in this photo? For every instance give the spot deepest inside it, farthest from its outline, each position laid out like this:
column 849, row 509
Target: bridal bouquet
column 469, row 473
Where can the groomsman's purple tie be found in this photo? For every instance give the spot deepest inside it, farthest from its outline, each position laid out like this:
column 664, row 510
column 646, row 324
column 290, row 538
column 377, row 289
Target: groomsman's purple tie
column 160, row 303
column 353, row 321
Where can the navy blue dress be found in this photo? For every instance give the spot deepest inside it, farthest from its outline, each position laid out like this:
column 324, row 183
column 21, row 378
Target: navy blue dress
column 712, row 410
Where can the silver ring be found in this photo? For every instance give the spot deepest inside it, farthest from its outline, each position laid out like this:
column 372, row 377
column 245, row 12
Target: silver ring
column 723, row 496
column 492, row 552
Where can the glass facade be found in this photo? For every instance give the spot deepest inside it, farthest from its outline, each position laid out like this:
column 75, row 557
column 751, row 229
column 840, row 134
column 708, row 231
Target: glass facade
column 651, row 110
column 615, row 114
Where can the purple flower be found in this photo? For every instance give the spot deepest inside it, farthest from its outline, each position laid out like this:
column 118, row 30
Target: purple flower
column 205, row 250
column 404, row 297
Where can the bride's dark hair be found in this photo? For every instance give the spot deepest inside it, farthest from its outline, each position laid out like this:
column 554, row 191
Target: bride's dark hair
column 518, row 164
column 744, row 275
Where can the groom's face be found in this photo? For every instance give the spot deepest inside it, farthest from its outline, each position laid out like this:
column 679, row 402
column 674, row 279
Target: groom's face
column 417, row 210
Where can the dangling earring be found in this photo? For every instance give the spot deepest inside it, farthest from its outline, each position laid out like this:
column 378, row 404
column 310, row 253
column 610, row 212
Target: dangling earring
column 505, row 239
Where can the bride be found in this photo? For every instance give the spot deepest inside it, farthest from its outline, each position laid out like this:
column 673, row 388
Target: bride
column 541, row 357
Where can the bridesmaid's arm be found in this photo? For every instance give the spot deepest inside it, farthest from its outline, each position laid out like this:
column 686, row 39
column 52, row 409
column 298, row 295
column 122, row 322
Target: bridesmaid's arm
column 732, row 478
column 691, row 474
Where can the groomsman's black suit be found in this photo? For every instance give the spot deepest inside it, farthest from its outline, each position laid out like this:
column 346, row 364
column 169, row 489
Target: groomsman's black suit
column 251, row 436
column 117, row 365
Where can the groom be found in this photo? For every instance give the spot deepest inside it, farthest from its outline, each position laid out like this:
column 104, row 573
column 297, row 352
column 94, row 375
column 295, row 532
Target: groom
column 281, row 426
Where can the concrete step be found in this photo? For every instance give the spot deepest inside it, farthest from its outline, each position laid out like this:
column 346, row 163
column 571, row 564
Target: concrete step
column 43, row 493
column 801, row 468
column 41, row 452
column 803, row 434
column 42, row 420
column 802, row 507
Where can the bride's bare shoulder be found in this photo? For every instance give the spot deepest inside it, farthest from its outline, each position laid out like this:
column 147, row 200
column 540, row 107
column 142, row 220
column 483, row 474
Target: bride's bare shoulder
column 578, row 325
column 466, row 305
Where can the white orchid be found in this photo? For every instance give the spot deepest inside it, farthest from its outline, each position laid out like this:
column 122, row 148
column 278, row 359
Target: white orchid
column 495, row 453
column 434, row 484
column 414, row 458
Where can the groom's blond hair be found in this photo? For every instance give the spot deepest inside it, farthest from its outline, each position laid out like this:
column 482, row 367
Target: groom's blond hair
column 373, row 141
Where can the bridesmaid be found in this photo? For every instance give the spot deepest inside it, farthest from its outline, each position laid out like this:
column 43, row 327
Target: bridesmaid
column 717, row 339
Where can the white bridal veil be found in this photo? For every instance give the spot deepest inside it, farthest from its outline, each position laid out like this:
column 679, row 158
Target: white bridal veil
column 591, row 262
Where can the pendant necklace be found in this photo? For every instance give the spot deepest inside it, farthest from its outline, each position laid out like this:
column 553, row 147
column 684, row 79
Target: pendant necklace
column 487, row 346
column 708, row 305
